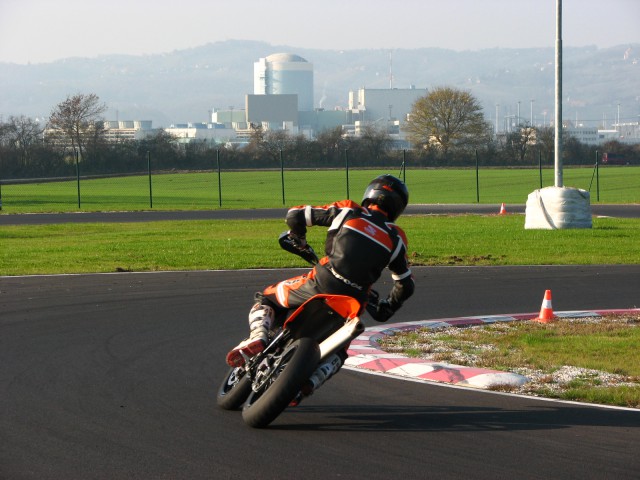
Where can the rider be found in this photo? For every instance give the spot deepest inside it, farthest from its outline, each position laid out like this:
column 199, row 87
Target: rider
column 361, row 241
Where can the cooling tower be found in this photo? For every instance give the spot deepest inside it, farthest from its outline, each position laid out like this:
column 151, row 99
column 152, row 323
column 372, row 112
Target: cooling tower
column 283, row 74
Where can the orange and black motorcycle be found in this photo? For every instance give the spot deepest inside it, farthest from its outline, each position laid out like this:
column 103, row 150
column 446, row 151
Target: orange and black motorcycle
column 270, row 381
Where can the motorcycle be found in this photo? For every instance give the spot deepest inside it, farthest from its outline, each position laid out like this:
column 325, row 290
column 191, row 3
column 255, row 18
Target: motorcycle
column 268, row 382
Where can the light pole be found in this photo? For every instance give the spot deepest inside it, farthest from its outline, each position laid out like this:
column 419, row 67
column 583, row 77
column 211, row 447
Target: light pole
column 558, row 207
column 558, row 92
column 531, row 113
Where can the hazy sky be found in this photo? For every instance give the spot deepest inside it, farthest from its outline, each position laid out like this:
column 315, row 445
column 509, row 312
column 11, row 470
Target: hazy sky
column 45, row 30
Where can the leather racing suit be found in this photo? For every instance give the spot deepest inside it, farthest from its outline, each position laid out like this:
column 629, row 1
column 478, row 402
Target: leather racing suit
column 360, row 244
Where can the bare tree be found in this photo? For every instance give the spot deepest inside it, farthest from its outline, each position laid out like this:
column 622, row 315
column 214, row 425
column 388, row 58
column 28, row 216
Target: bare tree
column 332, row 144
column 520, row 142
column 77, row 119
column 447, row 118
column 23, row 134
column 545, row 139
column 375, row 142
column 269, row 143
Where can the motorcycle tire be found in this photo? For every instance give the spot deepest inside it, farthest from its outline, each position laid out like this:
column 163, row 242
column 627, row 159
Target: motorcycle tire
column 299, row 362
column 234, row 389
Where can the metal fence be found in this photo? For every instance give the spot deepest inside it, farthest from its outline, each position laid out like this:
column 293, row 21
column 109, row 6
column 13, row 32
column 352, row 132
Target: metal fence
column 226, row 187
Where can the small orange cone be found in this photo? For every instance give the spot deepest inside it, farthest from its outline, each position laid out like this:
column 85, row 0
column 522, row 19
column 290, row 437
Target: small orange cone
column 546, row 311
column 503, row 211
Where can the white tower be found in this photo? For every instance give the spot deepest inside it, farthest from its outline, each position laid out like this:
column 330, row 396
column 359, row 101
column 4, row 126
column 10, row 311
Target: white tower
column 285, row 73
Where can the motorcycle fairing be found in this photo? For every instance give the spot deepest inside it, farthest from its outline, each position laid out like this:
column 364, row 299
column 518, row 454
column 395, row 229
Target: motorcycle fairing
column 321, row 314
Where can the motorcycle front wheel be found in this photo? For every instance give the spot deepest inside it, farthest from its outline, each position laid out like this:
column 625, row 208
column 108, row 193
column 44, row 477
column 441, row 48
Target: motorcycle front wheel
column 297, row 364
column 234, row 389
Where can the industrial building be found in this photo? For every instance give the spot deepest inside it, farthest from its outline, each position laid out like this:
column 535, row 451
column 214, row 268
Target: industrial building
column 273, row 112
column 128, row 129
column 281, row 76
column 377, row 105
column 283, row 100
column 211, row 133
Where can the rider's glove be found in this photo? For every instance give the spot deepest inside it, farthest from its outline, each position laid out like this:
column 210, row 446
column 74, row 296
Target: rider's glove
column 300, row 241
column 381, row 312
column 292, row 242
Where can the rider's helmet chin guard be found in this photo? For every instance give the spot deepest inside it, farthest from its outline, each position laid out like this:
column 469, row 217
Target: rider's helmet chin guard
column 389, row 193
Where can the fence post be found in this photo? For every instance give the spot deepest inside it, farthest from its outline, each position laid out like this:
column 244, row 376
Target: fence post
column 404, row 166
column 282, row 175
column 540, row 167
column 597, row 179
column 77, row 154
column 477, row 178
column 346, row 163
column 149, row 172
column 219, row 178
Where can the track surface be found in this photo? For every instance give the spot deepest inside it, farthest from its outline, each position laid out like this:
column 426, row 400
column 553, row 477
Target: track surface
column 622, row 211
column 114, row 376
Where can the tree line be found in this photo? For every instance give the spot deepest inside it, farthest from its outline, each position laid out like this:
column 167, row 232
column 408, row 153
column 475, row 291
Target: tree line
column 446, row 128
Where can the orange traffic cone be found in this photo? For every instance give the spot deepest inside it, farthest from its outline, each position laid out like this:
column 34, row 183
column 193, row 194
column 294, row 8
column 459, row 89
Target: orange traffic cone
column 503, row 211
column 546, row 311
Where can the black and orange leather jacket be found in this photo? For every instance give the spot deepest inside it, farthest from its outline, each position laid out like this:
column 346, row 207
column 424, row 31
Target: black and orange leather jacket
column 361, row 243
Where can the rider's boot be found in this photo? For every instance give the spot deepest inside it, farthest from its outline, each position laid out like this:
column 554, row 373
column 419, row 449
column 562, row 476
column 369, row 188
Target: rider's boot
column 324, row 372
column 260, row 319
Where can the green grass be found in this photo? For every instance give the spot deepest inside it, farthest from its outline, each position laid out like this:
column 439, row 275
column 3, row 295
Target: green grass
column 251, row 189
column 623, row 396
column 225, row 244
column 611, row 347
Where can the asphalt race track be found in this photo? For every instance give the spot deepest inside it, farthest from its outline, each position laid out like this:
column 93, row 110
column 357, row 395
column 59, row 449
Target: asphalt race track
column 612, row 210
column 114, row 376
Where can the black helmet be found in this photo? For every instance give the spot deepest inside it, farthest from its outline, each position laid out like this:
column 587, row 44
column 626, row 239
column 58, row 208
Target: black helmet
column 389, row 193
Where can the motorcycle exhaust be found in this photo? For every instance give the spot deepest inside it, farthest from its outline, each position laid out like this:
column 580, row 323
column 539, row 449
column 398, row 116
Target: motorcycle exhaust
column 342, row 337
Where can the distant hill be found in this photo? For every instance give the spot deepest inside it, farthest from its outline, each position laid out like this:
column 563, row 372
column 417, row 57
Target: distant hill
column 184, row 85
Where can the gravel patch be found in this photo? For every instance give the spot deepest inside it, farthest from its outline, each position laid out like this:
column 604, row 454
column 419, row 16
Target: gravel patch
column 429, row 344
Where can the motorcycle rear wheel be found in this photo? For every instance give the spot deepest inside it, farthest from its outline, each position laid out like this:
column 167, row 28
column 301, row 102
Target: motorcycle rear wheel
column 299, row 362
column 234, row 389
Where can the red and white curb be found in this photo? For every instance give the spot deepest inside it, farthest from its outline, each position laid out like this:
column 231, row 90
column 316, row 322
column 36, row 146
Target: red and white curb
column 365, row 352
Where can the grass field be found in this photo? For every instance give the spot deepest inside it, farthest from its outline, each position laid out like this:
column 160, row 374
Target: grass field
column 262, row 189
column 224, row 244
